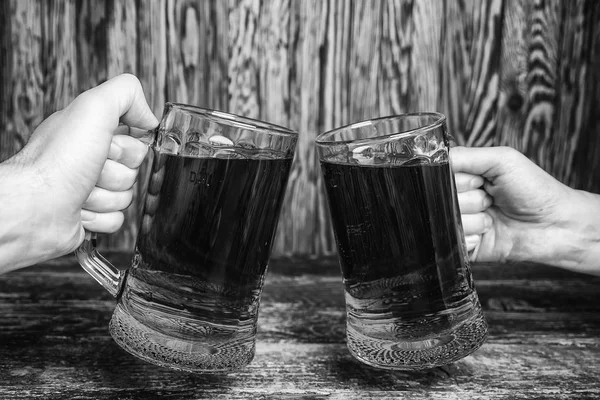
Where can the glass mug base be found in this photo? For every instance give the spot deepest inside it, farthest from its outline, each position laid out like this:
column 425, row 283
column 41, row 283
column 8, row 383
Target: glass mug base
column 179, row 354
column 433, row 350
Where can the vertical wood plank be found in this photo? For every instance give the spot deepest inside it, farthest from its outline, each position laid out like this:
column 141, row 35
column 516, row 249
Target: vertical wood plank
column 425, row 57
column 92, row 43
column 243, row 65
column 121, row 58
column 59, row 49
column 22, row 100
column 396, row 47
column 365, row 59
column 122, row 37
column 304, row 227
column 217, row 54
column 300, row 230
column 574, row 96
column 335, row 64
column 586, row 163
column 186, row 51
column 152, row 56
column 8, row 145
column 197, row 48
column 470, row 69
column 513, row 100
column 543, row 42
column 275, row 67
column 274, row 61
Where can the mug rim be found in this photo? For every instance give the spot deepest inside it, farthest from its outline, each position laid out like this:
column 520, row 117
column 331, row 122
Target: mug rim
column 229, row 118
column 439, row 121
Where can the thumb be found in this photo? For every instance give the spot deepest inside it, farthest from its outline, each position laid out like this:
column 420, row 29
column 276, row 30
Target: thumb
column 488, row 162
column 84, row 129
column 120, row 99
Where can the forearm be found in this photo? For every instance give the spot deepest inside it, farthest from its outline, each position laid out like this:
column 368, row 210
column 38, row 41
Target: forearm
column 580, row 249
column 19, row 219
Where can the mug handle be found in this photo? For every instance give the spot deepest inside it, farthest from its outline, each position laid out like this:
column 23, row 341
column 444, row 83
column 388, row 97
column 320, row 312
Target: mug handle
column 94, row 263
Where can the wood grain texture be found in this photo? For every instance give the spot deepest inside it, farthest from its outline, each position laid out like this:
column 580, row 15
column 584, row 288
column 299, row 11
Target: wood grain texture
column 217, row 53
column 92, row 43
column 304, row 208
column 470, row 69
column 505, row 72
column 543, row 43
column 21, row 104
column 575, row 89
column 544, row 342
column 188, row 43
column 59, row 54
column 244, row 95
column 397, row 28
column 587, row 158
column 364, row 60
column 152, row 45
column 513, row 99
column 426, row 54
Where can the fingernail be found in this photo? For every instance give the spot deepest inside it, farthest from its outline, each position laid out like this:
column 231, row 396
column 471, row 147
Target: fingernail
column 115, row 151
column 476, row 182
column 488, row 222
column 487, row 202
column 87, row 216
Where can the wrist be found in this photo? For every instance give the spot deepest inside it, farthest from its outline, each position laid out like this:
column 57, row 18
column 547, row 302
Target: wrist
column 580, row 245
column 21, row 220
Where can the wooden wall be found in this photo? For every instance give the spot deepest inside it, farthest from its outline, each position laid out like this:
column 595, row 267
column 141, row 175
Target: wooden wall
column 522, row 73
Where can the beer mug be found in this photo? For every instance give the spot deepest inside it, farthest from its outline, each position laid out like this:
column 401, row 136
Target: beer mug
column 410, row 298
column 190, row 299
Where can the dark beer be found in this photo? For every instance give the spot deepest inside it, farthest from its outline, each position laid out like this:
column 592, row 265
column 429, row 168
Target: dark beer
column 409, row 293
column 203, row 249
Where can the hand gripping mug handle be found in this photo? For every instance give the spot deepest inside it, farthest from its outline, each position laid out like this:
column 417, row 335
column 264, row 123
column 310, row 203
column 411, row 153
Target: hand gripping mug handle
column 94, row 263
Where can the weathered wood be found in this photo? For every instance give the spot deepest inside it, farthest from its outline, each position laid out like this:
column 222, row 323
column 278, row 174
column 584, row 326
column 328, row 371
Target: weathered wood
column 513, row 100
column 304, row 208
column 425, row 86
column 543, row 42
column 152, row 59
column 188, row 43
column 574, row 96
column 217, row 53
column 511, row 72
column 244, row 96
column 397, row 28
column 470, row 69
column 544, row 341
column 585, row 164
column 59, row 54
column 364, row 60
column 21, row 102
column 92, row 43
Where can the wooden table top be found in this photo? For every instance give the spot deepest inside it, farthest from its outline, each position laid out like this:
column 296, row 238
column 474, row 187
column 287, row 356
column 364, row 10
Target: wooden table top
column 544, row 342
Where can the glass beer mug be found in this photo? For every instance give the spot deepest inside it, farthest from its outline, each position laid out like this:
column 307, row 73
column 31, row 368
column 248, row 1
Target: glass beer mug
column 190, row 299
column 410, row 298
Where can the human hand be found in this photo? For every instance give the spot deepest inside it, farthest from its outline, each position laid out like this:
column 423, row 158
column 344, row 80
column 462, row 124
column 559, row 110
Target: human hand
column 75, row 173
column 512, row 210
